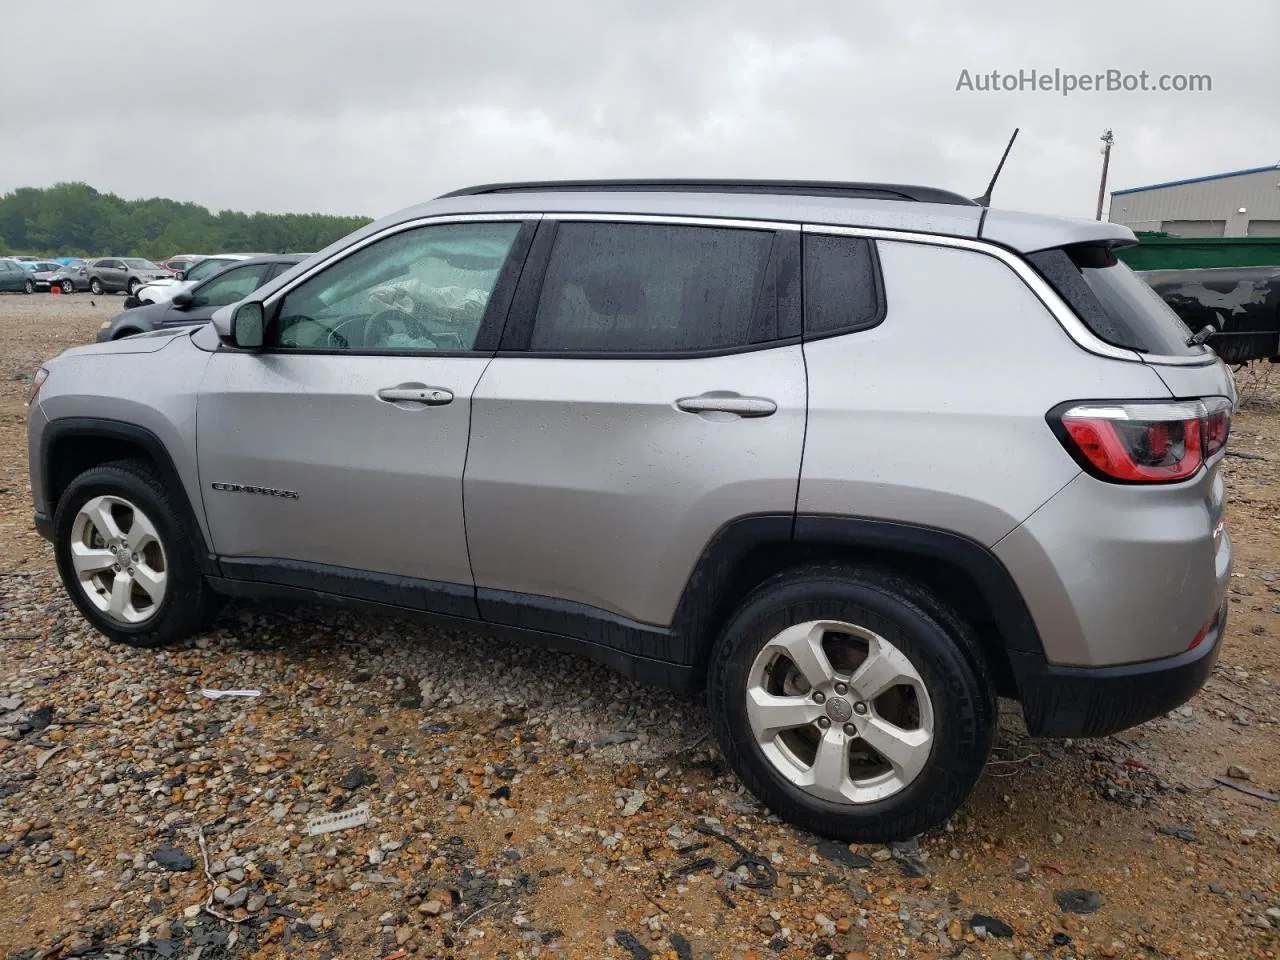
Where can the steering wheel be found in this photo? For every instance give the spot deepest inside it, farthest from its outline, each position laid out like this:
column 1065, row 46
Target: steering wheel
column 336, row 341
column 379, row 327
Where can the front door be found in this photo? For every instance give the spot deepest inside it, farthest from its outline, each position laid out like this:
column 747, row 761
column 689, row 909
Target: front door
column 332, row 459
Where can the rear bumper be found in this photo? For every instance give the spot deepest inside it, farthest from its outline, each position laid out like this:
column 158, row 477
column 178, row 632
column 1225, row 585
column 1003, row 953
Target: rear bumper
column 1059, row 701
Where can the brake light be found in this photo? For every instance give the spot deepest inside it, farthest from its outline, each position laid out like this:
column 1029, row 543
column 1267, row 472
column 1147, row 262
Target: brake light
column 1217, row 426
column 1144, row 442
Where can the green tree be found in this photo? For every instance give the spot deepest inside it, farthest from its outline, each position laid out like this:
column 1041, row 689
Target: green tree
column 75, row 219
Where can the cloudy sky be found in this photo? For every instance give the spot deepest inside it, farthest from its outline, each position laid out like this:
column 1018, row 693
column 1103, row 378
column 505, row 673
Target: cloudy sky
column 365, row 107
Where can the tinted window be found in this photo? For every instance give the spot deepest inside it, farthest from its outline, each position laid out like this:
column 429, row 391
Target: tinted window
column 207, row 268
column 423, row 290
column 138, row 264
column 650, row 288
column 841, row 285
column 1114, row 302
column 235, row 284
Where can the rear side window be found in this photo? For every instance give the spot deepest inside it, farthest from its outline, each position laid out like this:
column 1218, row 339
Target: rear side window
column 650, row 288
column 1114, row 302
column 842, row 289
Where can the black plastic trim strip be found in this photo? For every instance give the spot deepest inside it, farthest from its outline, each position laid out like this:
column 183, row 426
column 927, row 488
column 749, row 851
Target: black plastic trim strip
column 655, row 672
column 807, row 188
column 69, row 429
column 1059, row 701
column 582, row 622
column 408, row 593
column 991, row 576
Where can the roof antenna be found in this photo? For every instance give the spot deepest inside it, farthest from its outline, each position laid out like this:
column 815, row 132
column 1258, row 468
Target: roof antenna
column 985, row 199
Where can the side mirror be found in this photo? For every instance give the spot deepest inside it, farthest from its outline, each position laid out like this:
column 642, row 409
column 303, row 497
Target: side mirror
column 246, row 324
column 180, row 275
column 182, row 299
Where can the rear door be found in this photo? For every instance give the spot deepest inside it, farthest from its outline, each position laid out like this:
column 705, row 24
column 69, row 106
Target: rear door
column 650, row 389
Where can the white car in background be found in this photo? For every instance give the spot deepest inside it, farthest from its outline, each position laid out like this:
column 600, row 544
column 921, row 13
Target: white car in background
column 164, row 290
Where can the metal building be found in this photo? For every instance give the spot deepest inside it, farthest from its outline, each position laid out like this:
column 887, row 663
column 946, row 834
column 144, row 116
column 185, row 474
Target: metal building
column 1245, row 203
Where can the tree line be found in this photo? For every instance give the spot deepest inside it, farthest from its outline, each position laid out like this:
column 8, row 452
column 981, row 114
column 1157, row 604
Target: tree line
column 74, row 219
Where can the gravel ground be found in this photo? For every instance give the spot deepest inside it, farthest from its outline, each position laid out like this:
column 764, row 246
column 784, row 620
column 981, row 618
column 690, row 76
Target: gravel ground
column 524, row 804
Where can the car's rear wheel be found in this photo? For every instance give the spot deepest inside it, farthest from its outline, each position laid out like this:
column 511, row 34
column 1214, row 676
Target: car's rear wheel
column 852, row 702
column 68, row 287
column 127, row 557
column 96, row 287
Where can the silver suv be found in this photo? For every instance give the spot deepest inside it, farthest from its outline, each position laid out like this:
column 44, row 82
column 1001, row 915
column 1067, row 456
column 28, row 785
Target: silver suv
column 855, row 459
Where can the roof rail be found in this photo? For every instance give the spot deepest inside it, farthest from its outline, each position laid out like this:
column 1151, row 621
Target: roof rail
column 807, row 188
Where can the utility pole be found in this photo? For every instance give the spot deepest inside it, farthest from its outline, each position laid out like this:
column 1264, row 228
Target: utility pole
column 1107, row 140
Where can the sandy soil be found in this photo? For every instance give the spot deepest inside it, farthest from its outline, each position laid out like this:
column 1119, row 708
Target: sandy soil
column 497, row 828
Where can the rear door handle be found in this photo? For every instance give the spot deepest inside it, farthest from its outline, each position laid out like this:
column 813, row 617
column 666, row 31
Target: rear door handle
column 726, row 401
column 416, row 393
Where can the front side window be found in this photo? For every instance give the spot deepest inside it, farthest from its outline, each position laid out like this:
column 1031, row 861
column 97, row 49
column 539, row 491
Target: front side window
column 422, row 290
column 229, row 287
column 650, row 288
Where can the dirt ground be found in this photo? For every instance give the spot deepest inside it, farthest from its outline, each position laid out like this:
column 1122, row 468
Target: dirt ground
column 525, row 804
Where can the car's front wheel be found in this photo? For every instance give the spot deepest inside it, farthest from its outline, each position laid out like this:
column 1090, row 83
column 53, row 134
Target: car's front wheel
column 127, row 557
column 132, row 287
column 67, row 287
column 96, row 287
column 28, row 286
column 852, row 702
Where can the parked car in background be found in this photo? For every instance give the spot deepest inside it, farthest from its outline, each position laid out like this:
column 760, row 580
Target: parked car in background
column 197, row 304
column 166, row 287
column 14, row 278
column 122, row 274
column 42, row 272
column 70, row 278
column 68, row 261
column 1241, row 303
column 183, row 261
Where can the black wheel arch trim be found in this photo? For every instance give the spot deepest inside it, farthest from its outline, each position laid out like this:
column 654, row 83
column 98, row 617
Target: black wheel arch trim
column 70, row 428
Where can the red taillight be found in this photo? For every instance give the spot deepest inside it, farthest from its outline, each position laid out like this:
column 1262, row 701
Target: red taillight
column 1217, row 426
column 1145, row 442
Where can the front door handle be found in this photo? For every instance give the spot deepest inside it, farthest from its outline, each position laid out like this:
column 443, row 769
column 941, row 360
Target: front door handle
column 416, row 393
column 727, row 402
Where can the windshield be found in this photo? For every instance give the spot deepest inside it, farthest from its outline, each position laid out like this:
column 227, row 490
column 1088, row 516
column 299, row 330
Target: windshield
column 1113, row 301
column 139, row 264
column 207, row 268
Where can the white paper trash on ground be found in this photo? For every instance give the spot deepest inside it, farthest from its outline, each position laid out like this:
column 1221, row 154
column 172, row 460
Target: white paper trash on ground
column 215, row 694
column 331, row 822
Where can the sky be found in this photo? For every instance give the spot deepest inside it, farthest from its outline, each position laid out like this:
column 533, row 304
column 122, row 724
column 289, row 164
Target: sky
column 365, row 107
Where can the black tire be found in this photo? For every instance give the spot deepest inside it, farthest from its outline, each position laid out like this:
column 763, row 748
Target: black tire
column 28, row 286
column 131, row 286
column 96, row 287
column 68, row 287
column 939, row 645
column 188, row 604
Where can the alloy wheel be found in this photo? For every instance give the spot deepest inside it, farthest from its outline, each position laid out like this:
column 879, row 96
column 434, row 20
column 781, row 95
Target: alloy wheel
column 118, row 559
column 840, row 712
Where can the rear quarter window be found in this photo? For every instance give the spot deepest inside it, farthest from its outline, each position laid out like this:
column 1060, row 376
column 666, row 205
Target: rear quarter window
column 1115, row 303
column 842, row 287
